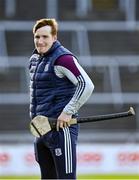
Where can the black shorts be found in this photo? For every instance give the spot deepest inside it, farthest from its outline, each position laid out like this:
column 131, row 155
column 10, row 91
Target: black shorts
column 56, row 153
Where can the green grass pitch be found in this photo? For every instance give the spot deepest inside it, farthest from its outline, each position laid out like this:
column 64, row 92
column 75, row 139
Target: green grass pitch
column 93, row 177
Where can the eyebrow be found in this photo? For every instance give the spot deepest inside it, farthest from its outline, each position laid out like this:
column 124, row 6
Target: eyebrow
column 37, row 35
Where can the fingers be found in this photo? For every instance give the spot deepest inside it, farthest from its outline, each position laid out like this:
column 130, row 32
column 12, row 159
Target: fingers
column 63, row 120
column 59, row 125
column 66, row 124
column 62, row 124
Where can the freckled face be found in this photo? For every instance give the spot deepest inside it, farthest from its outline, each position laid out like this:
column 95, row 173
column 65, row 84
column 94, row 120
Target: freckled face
column 43, row 39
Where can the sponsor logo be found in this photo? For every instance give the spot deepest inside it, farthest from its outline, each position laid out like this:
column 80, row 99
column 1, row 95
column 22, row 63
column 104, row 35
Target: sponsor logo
column 90, row 157
column 58, row 152
column 4, row 158
column 128, row 157
column 46, row 67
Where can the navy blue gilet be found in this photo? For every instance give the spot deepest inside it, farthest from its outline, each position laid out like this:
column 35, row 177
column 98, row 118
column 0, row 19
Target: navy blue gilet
column 49, row 94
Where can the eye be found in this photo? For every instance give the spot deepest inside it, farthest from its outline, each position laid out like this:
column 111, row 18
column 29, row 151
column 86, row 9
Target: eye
column 37, row 37
column 45, row 36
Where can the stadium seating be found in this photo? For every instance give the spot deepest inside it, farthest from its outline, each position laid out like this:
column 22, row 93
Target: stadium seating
column 15, row 117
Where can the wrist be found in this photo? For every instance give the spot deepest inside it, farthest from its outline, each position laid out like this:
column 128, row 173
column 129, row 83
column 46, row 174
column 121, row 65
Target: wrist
column 67, row 113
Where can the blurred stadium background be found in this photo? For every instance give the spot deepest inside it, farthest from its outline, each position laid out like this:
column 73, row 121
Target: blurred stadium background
column 104, row 34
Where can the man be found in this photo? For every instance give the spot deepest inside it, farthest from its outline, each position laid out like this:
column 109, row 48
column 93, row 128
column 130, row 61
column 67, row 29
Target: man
column 58, row 88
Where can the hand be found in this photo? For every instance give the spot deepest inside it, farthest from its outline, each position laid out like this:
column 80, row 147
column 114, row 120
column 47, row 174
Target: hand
column 63, row 120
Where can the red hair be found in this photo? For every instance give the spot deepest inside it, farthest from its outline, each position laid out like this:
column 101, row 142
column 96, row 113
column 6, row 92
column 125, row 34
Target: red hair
column 46, row 22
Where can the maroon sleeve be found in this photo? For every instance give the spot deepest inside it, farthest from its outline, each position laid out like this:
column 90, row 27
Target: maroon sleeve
column 67, row 61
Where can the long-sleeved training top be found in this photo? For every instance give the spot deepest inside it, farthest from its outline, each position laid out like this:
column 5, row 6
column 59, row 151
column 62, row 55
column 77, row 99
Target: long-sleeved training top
column 68, row 66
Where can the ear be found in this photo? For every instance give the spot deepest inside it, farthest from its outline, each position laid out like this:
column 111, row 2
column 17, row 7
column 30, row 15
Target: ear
column 55, row 37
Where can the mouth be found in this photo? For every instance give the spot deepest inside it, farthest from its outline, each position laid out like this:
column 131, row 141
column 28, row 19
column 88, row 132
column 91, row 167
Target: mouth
column 42, row 49
column 40, row 46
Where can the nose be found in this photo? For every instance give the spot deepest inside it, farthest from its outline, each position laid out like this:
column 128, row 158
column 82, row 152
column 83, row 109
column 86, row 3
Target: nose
column 40, row 41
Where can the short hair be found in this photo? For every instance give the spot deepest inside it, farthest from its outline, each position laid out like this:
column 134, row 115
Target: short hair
column 46, row 22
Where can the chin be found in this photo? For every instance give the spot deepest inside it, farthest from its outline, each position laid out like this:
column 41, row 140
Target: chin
column 42, row 51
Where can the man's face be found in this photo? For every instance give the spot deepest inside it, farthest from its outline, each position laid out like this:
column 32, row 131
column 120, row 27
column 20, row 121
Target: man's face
column 43, row 39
